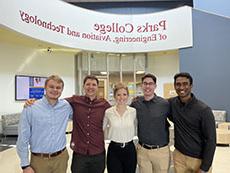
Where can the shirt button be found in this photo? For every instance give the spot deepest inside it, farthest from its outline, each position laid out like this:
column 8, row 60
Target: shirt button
column 89, row 109
column 87, row 125
column 88, row 116
column 87, row 142
column 87, row 134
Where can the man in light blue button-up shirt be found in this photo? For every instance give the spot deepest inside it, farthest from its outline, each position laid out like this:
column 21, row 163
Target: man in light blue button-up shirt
column 42, row 128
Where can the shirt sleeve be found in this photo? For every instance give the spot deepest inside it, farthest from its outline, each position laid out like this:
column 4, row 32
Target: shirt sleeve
column 69, row 99
column 132, row 104
column 105, row 120
column 135, row 122
column 105, row 125
column 209, row 133
column 170, row 117
column 24, row 133
column 70, row 111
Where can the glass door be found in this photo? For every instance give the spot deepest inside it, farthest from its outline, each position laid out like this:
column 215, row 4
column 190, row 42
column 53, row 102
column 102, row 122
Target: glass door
column 111, row 69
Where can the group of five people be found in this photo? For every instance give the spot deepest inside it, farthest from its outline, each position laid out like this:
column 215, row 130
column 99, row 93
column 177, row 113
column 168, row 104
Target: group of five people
column 42, row 128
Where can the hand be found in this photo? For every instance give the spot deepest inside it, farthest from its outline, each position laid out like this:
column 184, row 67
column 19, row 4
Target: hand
column 29, row 102
column 28, row 170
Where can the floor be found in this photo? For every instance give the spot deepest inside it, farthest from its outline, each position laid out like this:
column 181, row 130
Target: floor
column 9, row 162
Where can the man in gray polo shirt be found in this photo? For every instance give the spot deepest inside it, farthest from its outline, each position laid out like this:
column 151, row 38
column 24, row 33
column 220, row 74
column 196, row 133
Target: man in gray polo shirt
column 153, row 155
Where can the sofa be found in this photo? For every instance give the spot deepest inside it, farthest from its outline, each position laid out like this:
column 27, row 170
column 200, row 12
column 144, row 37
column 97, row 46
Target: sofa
column 220, row 116
column 10, row 124
column 222, row 127
column 223, row 133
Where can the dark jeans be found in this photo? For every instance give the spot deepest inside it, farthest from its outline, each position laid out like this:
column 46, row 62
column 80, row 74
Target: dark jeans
column 88, row 163
column 121, row 160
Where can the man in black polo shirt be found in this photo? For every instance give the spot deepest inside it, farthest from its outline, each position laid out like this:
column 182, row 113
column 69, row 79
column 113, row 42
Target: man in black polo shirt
column 153, row 133
column 195, row 131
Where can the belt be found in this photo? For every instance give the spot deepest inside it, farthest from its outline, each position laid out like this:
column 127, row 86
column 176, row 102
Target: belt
column 122, row 145
column 48, row 155
column 149, row 147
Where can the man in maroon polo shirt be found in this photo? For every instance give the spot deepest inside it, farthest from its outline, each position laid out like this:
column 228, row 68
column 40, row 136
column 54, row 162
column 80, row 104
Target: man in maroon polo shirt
column 87, row 139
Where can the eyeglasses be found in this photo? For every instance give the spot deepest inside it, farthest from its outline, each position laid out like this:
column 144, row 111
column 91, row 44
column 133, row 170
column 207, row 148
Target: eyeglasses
column 148, row 83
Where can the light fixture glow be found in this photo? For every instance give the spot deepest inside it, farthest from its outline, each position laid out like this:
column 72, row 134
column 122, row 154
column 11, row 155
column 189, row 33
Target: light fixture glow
column 103, row 72
column 140, row 72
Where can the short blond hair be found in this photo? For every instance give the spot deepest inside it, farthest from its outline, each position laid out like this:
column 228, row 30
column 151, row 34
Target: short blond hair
column 56, row 78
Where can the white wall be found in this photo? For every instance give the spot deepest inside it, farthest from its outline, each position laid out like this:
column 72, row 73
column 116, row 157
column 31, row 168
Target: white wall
column 164, row 65
column 18, row 59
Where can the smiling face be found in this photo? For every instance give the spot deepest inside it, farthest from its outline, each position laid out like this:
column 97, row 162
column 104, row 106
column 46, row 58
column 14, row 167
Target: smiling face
column 183, row 88
column 148, row 87
column 90, row 88
column 53, row 90
column 121, row 96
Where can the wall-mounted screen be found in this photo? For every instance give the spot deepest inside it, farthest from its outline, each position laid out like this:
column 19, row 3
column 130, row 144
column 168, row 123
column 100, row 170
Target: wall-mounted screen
column 29, row 87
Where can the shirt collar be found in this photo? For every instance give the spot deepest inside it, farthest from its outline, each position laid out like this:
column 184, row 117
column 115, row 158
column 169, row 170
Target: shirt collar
column 115, row 108
column 190, row 102
column 87, row 99
column 44, row 99
column 154, row 99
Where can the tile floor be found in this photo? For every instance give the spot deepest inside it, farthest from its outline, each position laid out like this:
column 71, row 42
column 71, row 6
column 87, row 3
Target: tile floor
column 9, row 162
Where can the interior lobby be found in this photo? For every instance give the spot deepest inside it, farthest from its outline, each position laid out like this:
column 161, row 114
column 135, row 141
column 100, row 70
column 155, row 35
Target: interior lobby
column 29, row 49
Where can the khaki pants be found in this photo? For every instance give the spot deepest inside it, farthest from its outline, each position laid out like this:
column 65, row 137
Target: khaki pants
column 56, row 164
column 186, row 164
column 153, row 160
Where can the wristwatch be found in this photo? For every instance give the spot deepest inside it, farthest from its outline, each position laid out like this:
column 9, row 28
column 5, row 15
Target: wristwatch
column 24, row 167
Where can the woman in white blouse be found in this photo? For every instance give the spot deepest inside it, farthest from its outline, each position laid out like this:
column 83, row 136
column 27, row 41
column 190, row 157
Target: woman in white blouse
column 120, row 120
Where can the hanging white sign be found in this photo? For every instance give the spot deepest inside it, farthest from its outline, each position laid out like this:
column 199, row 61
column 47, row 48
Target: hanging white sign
column 60, row 23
